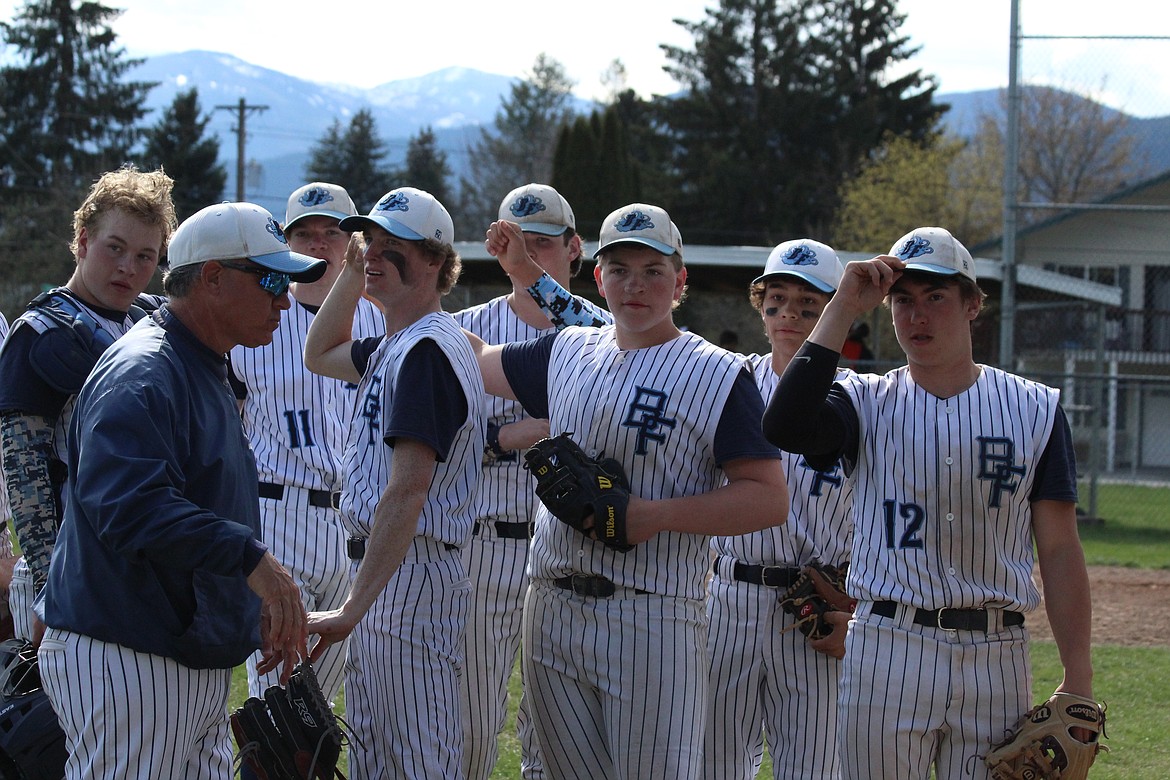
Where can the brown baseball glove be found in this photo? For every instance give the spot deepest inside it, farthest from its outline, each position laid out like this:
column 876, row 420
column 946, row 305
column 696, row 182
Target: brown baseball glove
column 819, row 589
column 1043, row 746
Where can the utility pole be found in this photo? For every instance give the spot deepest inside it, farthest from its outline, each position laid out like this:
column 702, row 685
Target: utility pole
column 242, row 110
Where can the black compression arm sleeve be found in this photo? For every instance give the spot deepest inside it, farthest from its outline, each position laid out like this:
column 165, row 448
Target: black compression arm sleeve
column 801, row 417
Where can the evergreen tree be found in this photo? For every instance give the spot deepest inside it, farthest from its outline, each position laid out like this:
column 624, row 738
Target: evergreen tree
column 426, row 166
column 783, row 100
column 353, row 159
column 593, row 169
column 520, row 146
column 180, row 145
column 68, row 111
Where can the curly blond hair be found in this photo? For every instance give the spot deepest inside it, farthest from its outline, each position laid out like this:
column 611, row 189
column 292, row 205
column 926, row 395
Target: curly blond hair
column 143, row 195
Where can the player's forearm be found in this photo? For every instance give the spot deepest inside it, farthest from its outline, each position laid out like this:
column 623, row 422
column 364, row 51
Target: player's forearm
column 834, row 324
column 27, row 445
column 561, row 307
column 797, row 418
column 1068, row 602
column 746, row 504
column 395, row 523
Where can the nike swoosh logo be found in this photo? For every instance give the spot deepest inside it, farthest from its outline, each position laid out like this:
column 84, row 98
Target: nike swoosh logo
column 801, row 359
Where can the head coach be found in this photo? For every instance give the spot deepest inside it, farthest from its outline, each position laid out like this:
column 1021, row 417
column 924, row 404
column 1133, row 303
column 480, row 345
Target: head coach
column 159, row 585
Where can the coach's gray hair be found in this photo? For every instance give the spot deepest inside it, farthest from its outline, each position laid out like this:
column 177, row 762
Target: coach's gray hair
column 179, row 282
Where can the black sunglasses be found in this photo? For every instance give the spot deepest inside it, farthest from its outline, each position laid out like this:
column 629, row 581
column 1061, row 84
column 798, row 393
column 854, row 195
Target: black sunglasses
column 274, row 282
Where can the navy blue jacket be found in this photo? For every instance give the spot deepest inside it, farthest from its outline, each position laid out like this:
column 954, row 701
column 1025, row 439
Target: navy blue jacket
column 162, row 511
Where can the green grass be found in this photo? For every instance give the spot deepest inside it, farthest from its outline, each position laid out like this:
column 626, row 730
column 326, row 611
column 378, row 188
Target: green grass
column 1135, row 527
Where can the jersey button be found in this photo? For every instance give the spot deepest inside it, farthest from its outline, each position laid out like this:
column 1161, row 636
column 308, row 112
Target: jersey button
column 950, row 516
column 950, row 461
column 952, row 571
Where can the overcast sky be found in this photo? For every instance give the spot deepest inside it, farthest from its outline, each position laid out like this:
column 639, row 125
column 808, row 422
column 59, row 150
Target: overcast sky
column 963, row 42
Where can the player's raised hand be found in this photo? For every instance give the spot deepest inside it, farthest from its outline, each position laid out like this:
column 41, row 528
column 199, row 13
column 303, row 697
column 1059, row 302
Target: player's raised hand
column 283, row 622
column 865, row 283
column 505, row 242
column 355, row 255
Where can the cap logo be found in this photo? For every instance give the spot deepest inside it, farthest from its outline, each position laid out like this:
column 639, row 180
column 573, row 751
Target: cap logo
column 395, row 201
column 526, row 205
column 634, row 220
column 915, row 247
column 800, row 255
column 273, row 227
column 314, row 197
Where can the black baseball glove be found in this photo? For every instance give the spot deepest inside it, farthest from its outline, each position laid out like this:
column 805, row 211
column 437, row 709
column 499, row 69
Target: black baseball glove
column 575, row 488
column 290, row 734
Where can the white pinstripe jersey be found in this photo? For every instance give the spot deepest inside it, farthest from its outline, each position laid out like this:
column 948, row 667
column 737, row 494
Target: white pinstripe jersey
column 819, row 520
column 941, row 496
column 447, row 514
column 506, row 492
column 656, row 411
column 296, row 420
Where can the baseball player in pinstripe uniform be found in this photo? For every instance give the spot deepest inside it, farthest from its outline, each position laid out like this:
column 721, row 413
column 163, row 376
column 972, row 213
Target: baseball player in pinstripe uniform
column 412, row 459
column 766, row 676
column 615, row 645
column 119, row 234
column 497, row 556
column 296, row 423
column 964, row 475
column 159, row 585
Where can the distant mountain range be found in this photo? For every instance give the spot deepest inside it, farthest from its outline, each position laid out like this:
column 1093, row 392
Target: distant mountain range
column 455, row 102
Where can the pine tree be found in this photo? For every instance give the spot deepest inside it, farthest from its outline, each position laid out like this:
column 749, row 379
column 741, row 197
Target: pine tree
column 426, row 166
column 520, row 147
column 180, row 144
column 68, row 111
column 353, row 159
column 783, row 101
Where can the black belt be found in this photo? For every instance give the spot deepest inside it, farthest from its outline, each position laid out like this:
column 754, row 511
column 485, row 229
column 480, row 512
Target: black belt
column 974, row 619
column 318, row 498
column 355, row 547
column 507, row 530
column 772, row 576
column 591, row 585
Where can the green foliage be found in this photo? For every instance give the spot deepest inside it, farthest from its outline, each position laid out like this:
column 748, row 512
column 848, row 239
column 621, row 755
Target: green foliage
column 180, row 145
column 68, row 114
column 426, row 166
column 353, row 158
column 519, row 147
column 903, row 184
column 783, row 101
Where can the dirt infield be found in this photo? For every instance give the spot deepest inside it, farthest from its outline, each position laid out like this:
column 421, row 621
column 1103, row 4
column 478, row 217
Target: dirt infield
column 1130, row 607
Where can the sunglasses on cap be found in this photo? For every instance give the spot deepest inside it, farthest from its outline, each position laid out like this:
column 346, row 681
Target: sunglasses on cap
column 273, row 282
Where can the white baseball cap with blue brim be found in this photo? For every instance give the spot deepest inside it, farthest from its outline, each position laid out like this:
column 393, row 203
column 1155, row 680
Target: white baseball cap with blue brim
column 235, row 231
column 318, row 199
column 810, row 261
column 538, row 208
column 408, row 213
column 934, row 250
column 640, row 223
